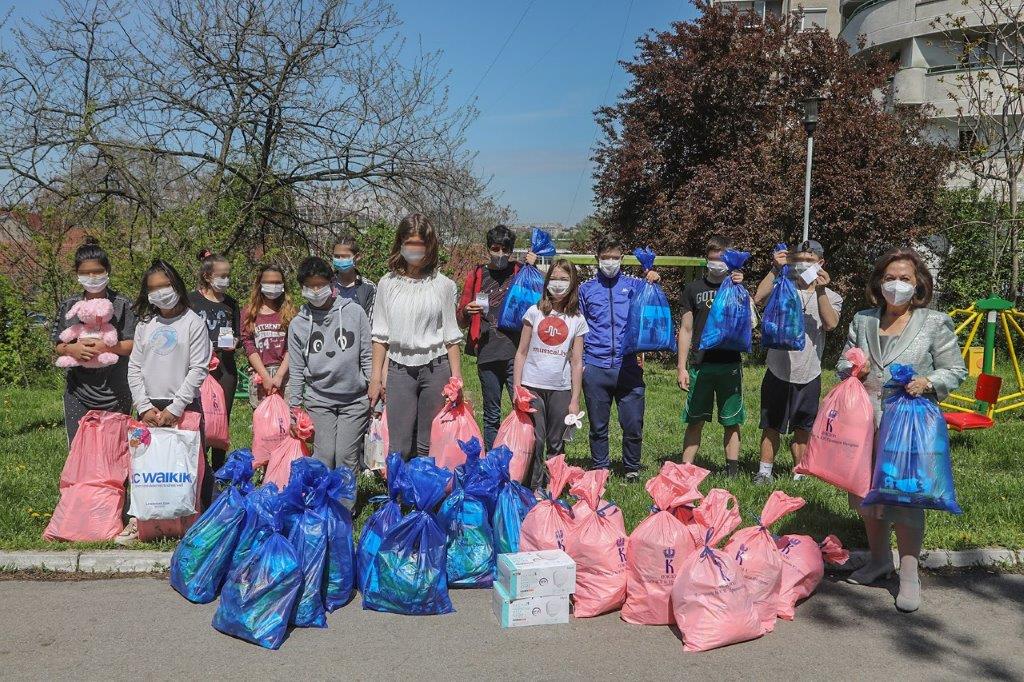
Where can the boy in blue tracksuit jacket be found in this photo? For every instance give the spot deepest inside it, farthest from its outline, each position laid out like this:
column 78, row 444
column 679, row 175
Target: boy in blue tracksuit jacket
column 608, row 374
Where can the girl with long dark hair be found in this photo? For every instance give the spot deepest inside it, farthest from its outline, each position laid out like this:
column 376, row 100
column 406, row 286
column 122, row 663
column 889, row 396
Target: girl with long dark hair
column 99, row 388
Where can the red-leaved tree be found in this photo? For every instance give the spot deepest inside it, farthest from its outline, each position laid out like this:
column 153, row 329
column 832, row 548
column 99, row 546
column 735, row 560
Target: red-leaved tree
column 708, row 138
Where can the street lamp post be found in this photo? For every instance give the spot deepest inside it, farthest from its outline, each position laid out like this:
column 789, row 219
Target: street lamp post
column 810, row 105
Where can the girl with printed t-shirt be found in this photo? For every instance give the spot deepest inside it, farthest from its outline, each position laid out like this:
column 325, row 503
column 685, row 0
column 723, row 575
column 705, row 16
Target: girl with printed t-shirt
column 549, row 363
column 265, row 333
column 219, row 310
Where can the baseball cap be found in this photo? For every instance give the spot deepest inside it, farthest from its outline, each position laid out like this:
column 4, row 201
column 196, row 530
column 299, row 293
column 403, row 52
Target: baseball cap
column 811, row 246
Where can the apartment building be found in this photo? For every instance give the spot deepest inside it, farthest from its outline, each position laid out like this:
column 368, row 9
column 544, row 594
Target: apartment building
column 812, row 14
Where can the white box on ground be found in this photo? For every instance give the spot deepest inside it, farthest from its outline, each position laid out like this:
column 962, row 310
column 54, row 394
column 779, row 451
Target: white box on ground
column 514, row 613
column 550, row 572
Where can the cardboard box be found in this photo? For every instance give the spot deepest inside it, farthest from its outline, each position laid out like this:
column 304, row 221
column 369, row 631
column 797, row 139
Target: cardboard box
column 550, row 572
column 515, row 613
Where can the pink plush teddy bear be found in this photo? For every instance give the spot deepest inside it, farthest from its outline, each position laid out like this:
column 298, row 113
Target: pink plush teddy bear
column 94, row 323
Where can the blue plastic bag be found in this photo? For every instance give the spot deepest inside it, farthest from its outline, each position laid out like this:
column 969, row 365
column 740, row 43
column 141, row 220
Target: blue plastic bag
column 260, row 594
column 379, row 523
column 912, row 462
column 649, row 324
column 514, row 501
column 256, row 527
column 527, row 285
column 201, row 560
column 339, row 582
column 782, row 325
column 465, row 517
column 306, row 505
column 728, row 326
column 411, row 572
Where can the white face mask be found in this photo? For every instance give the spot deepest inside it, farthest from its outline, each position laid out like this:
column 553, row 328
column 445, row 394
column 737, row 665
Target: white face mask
column 164, row 299
column 316, row 297
column 94, row 284
column 558, row 287
column 272, row 291
column 220, row 284
column 799, row 268
column 897, row 292
column 413, row 255
column 717, row 268
column 610, row 267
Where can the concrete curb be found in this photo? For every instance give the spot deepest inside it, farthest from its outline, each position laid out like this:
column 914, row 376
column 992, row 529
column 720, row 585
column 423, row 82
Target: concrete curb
column 96, row 561
column 141, row 561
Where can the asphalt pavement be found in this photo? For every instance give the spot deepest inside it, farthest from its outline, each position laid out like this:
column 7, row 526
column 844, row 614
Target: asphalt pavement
column 970, row 627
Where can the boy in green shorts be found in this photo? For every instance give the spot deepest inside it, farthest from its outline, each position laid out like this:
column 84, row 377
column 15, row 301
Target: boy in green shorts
column 714, row 376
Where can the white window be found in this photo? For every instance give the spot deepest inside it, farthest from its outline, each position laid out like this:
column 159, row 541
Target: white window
column 751, row 10
column 813, row 20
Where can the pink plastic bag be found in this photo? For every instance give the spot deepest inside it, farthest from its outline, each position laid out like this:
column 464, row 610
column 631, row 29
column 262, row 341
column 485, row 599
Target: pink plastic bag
column 280, row 466
column 92, row 481
column 839, row 450
column 375, row 444
column 547, row 524
column 597, row 544
column 516, row 432
column 759, row 559
column 176, row 528
column 692, row 476
column 270, row 422
column 710, row 599
column 453, row 423
column 803, row 566
column 657, row 548
column 215, row 412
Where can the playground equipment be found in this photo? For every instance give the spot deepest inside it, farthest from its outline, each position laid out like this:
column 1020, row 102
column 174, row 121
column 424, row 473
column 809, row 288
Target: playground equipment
column 978, row 411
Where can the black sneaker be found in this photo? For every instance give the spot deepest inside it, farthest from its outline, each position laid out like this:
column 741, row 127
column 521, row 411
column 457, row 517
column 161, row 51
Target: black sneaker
column 632, row 476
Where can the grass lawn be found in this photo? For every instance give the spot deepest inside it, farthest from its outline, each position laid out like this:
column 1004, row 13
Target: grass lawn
column 987, row 469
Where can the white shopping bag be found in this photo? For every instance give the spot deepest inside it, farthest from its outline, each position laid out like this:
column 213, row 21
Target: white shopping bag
column 375, row 443
column 164, row 469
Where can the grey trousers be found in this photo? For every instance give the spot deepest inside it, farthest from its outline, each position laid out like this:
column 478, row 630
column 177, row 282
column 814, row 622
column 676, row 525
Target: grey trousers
column 414, row 397
column 548, row 430
column 339, row 433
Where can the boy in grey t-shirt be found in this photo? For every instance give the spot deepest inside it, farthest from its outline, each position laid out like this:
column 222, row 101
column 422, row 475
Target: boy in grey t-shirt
column 791, row 389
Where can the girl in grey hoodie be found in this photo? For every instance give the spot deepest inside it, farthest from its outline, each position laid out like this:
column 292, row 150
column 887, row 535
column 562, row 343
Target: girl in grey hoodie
column 329, row 361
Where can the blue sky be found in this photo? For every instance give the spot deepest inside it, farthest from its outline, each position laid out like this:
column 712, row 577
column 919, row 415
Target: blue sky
column 536, row 127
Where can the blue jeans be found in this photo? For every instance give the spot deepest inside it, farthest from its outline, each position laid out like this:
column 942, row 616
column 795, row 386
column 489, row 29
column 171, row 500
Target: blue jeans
column 493, row 377
column 625, row 386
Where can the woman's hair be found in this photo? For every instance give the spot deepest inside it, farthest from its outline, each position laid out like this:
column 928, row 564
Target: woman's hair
column 349, row 241
column 257, row 299
column 91, row 250
column 144, row 310
column 572, row 296
column 207, row 259
column 313, row 266
column 414, row 225
column 501, row 235
column 925, row 284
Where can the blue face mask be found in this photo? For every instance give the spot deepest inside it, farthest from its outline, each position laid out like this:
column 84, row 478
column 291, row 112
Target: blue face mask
column 343, row 264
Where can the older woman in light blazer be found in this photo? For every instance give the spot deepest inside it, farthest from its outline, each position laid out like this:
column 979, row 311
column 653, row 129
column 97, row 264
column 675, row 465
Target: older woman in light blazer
column 901, row 330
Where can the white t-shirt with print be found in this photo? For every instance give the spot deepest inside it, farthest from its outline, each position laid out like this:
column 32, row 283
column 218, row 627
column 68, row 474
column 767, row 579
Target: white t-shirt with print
column 547, row 363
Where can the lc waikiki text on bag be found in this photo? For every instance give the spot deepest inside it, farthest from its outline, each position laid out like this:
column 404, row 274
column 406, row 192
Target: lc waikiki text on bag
column 912, row 464
column 164, row 472
column 649, row 324
column 527, row 284
column 729, row 325
column 782, row 324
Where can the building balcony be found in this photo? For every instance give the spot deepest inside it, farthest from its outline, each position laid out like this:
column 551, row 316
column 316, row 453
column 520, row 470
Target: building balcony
column 885, row 22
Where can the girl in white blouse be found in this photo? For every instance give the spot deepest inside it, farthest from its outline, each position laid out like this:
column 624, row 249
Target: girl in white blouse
column 415, row 333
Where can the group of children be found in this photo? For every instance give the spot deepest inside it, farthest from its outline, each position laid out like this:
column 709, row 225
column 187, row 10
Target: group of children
column 352, row 345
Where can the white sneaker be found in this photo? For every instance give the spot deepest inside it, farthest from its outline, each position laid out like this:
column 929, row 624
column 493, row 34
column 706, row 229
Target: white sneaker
column 798, row 477
column 130, row 534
